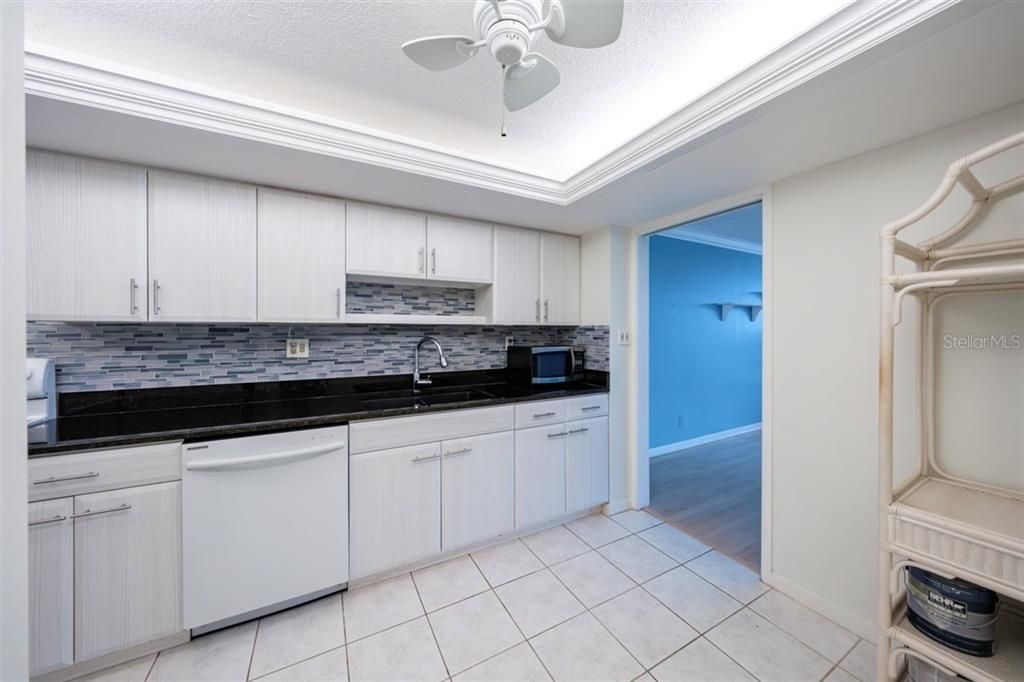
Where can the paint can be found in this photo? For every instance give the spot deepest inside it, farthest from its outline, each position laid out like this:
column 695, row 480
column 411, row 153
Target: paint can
column 954, row 612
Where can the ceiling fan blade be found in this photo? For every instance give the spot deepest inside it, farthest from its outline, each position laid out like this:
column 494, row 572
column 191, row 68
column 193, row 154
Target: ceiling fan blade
column 584, row 23
column 529, row 80
column 439, row 53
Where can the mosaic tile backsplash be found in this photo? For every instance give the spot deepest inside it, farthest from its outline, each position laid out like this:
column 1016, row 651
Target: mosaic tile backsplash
column 92, row 357
column 366, row 297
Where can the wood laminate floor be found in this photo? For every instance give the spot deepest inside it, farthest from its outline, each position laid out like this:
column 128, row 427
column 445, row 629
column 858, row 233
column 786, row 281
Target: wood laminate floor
column 713, row 492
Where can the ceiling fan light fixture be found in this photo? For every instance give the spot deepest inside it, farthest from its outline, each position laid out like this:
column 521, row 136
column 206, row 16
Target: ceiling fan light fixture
column 508, row 40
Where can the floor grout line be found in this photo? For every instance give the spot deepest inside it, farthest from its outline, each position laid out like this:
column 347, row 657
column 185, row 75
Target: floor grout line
column 430, row 626
column 252, row 653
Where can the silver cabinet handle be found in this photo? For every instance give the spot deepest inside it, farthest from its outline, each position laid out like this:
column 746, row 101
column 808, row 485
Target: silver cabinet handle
column 463, row 451
column 545, row 310
column 421, row 257
column 433, row 261
column 588, row 408
column 52, row 519
column 132, row 289
column 417, row 460
column 583, row 430
column 58, row 479
column 337, row 303
column 537, row 314
column 557, row 435
column 156, row 297
column 544, row 414
column 90, row 512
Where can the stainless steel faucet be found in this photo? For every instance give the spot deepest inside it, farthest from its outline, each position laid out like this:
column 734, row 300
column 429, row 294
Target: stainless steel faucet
column 416, row 381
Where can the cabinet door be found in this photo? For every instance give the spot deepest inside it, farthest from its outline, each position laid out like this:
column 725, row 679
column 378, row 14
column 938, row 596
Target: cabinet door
column 202, row 249
column 460, row 250
column 302, row 257
column 50, row 587
column 586, row 464
column 560, row 279
column 86, row 239
column 127, row 567
column 395, row 507
column 386, row 242
column 540, row 474
column 516, row 290
column 478, row 489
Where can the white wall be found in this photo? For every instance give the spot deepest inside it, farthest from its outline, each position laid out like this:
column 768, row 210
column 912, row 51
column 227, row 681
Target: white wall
column 605, row 266
column 13, row 461
column 825, row 265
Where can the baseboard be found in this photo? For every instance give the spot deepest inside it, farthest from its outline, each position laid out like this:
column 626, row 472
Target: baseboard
column 858, row 626
column 616, row 507
column 701, row 440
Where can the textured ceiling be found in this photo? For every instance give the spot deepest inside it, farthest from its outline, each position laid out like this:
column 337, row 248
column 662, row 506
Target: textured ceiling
column 343, row 60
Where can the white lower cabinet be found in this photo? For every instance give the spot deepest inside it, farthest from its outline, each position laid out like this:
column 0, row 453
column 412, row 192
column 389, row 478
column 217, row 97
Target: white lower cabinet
column 478, row 483
column 127, row 567
column 51, row 585
column 586, row 464
column 540, row 474
column 395, row 515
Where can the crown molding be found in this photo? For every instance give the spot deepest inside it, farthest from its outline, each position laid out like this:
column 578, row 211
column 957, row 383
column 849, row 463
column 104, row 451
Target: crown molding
column 69, row 77
column 843, row 36
column 709, row 239
column 72, row 78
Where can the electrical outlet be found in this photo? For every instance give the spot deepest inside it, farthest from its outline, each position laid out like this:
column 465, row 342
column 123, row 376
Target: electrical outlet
column 622, row 336
column 297, row 348
column 509, row 340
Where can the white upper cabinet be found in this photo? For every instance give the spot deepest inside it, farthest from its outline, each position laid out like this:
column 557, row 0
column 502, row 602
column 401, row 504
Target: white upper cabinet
column 560, row 279
column 301, row 257
column 86, row 239
column 460, row 250
column 386, row 242
column 516, row 290
column 202, row 249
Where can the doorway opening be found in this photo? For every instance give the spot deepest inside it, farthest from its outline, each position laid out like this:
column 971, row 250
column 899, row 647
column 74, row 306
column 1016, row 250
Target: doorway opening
column 704, row 386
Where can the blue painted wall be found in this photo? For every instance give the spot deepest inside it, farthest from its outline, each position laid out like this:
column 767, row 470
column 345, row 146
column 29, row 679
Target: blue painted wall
column 705, row 373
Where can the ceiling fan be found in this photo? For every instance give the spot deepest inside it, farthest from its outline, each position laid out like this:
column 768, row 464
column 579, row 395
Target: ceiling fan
column 507, row 29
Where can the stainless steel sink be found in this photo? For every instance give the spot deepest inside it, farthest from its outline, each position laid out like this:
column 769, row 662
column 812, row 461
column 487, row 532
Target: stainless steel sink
column 416, row 400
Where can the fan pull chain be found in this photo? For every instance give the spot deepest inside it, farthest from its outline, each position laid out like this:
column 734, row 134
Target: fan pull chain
column 504, row 131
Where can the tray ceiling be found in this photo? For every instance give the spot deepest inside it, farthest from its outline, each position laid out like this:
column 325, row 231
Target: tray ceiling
column 342, row 61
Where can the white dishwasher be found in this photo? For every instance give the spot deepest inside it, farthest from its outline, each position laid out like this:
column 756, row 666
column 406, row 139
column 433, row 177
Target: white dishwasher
column 264, row 523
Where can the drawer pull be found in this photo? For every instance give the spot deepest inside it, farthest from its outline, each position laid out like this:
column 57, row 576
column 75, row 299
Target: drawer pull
column 58, row 479
column 53, row 519
column 90, row 512
column 454, row 453
column 588, row 408
column 417, row 460
column 583, row 430
column 557, row 435
column 544, row 414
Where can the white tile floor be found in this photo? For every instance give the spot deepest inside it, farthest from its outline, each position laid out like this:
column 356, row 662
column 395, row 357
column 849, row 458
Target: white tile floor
column 620, row 598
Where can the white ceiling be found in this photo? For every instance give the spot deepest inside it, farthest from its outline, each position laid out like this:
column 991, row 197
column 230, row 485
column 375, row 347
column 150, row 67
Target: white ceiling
column 741, row 226
column 342, row 60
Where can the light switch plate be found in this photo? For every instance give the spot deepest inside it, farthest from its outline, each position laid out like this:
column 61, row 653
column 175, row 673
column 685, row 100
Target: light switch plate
column 297, row 348
column 622, row 336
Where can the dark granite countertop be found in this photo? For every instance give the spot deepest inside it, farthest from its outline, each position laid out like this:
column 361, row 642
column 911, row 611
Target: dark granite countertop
column 104, row 419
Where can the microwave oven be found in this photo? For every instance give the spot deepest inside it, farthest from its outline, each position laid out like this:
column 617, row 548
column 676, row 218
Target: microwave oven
column 545, row 364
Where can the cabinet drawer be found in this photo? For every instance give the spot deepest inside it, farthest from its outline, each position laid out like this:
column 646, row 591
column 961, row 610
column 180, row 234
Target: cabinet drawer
column 540, row 413
column 378, row 434
column 93, row 471
column 588, row 406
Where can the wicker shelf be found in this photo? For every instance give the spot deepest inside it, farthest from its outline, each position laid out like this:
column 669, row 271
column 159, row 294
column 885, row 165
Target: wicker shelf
column 1006, row 665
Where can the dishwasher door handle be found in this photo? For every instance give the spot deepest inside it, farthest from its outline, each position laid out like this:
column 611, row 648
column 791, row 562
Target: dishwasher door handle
column 263, row 460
